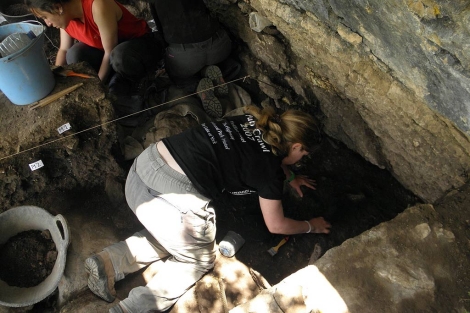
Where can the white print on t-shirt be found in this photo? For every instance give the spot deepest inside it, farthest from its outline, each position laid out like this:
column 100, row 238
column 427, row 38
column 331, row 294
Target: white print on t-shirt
column 255, row 135
column 228, row 130
column 242, row 193
column 242, row 139
column 246, row 126
column 252, row 134
column 222, row 136
column 258, row 136
column 208, row 131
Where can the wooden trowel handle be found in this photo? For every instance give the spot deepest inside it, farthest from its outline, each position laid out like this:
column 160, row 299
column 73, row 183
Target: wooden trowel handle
column 52, row 98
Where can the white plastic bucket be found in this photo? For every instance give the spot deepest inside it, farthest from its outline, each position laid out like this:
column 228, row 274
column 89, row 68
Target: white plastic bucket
column 25, row 218
column 26, row 76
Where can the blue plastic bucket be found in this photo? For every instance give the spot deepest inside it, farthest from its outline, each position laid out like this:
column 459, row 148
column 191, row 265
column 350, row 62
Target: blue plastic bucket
column 26, row 76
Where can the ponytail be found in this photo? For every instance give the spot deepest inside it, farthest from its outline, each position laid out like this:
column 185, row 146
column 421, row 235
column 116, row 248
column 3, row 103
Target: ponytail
column 281, row 131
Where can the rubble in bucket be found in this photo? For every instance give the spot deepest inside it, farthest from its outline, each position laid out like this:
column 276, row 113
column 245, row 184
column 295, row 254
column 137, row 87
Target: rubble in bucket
column 15, row 42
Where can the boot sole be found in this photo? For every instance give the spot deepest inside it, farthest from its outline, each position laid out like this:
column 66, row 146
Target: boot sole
column 97, row 279
column 210, row 103
column 215, row 75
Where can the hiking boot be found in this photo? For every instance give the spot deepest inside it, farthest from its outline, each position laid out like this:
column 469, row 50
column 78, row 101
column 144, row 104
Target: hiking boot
column 215, row 75
column 101, row 276
column 210, row 103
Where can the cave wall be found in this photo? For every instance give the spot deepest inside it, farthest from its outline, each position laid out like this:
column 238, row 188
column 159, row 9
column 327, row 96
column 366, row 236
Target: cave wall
column 391, row 79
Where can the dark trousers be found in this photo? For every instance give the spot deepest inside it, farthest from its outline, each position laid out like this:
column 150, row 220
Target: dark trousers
column 133, row 59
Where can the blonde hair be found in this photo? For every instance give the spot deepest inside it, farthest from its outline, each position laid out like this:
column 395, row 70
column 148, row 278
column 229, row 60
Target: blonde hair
column 282, row 130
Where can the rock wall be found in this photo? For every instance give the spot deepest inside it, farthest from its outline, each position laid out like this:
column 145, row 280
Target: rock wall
column 390, row 79
column 418, row 262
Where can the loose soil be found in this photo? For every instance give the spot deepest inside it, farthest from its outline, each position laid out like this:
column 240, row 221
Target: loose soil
column 27, row 258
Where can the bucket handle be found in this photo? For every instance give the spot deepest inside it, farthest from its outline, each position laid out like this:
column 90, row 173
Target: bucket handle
column 16, row 55
column 33, row 22
column 63, row 229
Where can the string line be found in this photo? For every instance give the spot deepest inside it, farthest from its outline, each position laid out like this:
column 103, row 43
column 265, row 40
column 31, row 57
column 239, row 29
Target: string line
column 126, row 116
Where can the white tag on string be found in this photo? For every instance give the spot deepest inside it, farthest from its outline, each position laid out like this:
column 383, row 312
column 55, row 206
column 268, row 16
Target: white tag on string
column 36, row 165
column 64, row 128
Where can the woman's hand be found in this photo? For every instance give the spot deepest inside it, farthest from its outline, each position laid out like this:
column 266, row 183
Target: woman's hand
column 302, row 180
column 277, row 223
column 65, row 43
column 106, row 14
column 319, row 226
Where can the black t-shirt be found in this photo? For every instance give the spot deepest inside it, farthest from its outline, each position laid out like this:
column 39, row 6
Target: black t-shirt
column 228, row 155
column 183, row 21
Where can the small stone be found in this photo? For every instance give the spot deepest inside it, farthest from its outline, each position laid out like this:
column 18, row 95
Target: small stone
column 421, row 231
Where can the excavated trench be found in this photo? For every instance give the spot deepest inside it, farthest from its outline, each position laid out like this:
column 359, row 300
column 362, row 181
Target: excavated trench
column 350, row 193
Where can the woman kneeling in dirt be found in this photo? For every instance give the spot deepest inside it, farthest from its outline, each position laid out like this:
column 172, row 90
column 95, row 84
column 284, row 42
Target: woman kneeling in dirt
column 109, row 37
column 169, row 188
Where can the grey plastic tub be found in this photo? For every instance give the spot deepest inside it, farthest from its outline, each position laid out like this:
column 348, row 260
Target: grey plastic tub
column 25, row 218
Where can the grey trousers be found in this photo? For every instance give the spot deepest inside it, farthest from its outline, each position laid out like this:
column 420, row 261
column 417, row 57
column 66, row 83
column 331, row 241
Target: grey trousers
column 184, row 60
column 179, row 231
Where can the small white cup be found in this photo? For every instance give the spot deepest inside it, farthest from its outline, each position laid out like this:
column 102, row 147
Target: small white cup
column 231, row 243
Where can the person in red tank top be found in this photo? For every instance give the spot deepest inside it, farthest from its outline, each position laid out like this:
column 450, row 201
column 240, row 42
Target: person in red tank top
column 105, row 31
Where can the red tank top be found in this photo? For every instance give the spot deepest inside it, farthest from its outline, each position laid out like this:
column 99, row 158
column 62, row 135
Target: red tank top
column 129, row 27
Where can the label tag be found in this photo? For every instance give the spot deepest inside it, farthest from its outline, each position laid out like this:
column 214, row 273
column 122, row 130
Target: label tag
column 64, row 128
column 36, row 165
